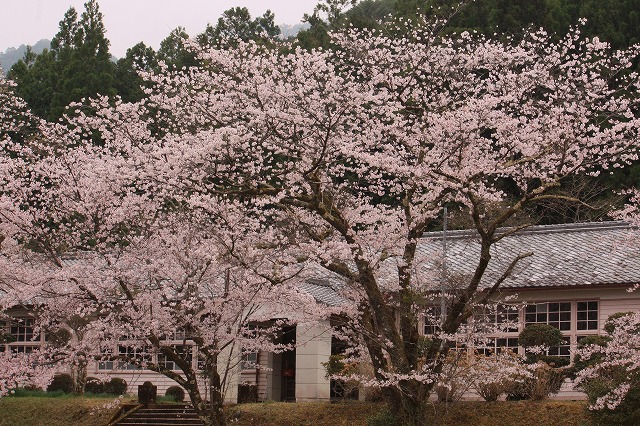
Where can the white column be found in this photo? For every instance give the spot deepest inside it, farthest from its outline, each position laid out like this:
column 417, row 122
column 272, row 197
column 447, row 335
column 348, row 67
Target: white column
column 231, row 391
column 274, row 377
column 313, row 347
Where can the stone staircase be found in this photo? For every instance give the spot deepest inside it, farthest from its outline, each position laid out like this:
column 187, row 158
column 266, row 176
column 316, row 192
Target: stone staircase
column 160, row 415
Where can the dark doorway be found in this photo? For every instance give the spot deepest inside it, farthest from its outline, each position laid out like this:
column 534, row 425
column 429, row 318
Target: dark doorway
column 289, row 365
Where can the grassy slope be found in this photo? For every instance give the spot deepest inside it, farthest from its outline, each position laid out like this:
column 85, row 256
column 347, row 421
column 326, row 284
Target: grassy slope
column 66, row 411
column 546, row 413
column 63, row 411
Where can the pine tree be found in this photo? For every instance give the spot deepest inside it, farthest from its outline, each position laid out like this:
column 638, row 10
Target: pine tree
column 77, row 66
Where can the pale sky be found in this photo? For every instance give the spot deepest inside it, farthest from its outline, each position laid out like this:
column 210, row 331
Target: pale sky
column 131, row 21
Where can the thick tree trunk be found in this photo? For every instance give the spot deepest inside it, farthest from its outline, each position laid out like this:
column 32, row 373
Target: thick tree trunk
column 80, row 377
column 210, row 412
column 216, row 399
column 410, row 404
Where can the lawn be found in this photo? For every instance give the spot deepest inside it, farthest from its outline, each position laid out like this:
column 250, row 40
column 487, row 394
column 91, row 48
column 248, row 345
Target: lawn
column 82, row 411
column 544, row 413
column 60, row 411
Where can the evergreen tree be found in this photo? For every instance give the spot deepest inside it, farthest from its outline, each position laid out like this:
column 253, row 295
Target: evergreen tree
column 36, row 81
column 173, row 52
column 89, row 70
column 127, row 81
column 77, row 66
column 236, row 24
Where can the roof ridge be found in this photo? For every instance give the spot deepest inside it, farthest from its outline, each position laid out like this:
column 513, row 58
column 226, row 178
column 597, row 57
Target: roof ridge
column 537, row 229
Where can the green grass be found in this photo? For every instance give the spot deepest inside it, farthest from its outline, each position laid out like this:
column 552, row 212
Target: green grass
column 64, row 410
column 544, row 413
column 67, row 410
column 22, row 393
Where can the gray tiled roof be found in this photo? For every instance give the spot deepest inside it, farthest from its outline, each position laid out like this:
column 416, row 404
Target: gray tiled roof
column 323, row 291
column 563, row 255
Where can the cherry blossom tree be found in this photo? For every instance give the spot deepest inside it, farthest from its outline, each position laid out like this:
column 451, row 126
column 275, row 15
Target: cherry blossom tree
column 335, row 160
column 613, row 368
column 612, row 372
column 356, row 151
column 23, row 369
column 126, row 274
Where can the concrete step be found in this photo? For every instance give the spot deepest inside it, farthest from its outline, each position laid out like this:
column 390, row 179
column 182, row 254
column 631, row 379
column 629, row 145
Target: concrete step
column 158, row 415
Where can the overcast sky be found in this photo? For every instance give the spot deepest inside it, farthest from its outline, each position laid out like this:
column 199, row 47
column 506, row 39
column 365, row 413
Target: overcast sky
column 131, row 21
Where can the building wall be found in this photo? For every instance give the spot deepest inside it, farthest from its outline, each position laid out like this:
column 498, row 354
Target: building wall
column 312, row 350
column 610, row 300
column 314, row 347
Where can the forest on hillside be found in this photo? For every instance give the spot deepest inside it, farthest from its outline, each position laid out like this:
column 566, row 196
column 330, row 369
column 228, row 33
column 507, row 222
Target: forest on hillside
column 78, row 63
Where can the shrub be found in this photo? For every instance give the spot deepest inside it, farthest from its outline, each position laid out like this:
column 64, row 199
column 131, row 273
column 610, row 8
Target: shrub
column 610, row 376
column 94, row 386
column 555, row 361
column 373, row 394
column 345, row 375
column 542, row 381
column 627, row 413
column 490, row 391
column 38, row 393
column 497, row 373
column 536, row 335
column 32, row 388
column 456, row 377
column 176, row 392
column 116, row 386
column 61, row 382
column 579, row 361
column 7, row 338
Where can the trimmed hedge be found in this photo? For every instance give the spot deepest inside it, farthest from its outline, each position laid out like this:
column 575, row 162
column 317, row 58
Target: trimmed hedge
column 176, row 392
column 94, row 386
column 116, row 386
column 61, row 382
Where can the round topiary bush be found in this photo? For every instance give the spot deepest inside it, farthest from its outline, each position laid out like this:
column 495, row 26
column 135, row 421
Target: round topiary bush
column 540, row 335
column 94, row 385
column 116, row 386
column 537, row 336
column 61, row 382
column 176, row 392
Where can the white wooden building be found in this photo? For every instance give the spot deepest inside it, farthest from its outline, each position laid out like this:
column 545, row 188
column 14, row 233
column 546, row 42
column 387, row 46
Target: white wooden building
column 577, row 277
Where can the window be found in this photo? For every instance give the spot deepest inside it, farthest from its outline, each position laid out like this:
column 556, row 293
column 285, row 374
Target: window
column 556, row 314
column 499, row 318
column 587, row 315
column 178, row 334
column 496, row 345
column 140, row 355
column 19, row 349
column 182, row 351
column 201, row 363
column 563, row 350
column 22, row 330
column 432, row 320
column 105, row 365
column 249, row 360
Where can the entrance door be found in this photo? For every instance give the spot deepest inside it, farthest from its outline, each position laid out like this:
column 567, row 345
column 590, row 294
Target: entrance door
column 289, row 365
